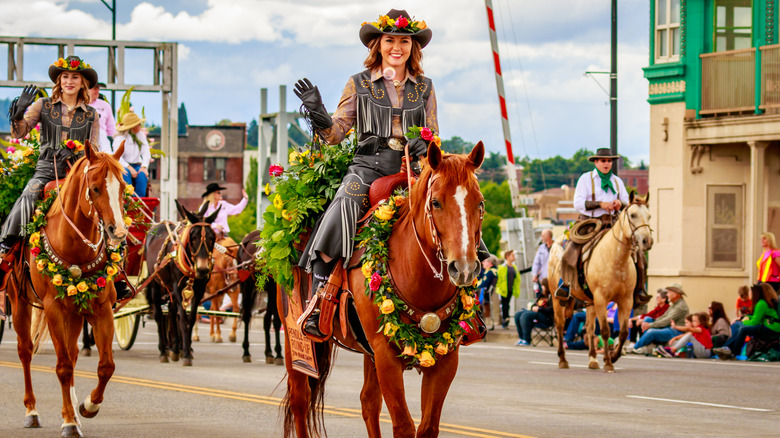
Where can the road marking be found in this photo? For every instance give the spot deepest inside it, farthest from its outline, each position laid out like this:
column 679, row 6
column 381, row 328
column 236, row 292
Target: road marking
column 700, row 403
column 273, row 401
column 570, row 364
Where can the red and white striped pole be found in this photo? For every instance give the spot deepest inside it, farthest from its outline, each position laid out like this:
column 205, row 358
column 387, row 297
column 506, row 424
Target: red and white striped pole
column 511, row 172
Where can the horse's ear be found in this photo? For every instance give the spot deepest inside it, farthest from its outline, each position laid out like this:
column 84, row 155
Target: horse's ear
column 119, row 151
column 184, row 213
column 434, row 156
column 477, row 155
column 88, row 151
column 631, row 196
column 213, row 216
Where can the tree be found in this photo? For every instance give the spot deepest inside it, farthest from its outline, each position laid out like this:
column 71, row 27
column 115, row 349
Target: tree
column 241, row 224
column 183, row 121
column 491, row 232
column 224, row 122
column 498, row 200
column 456, row 145
column 252, row 133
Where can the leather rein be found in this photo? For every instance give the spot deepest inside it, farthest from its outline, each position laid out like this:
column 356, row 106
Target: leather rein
column 88, row 242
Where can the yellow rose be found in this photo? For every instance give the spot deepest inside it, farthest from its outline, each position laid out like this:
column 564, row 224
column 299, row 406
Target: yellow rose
column 287, row 215
column 129, row 189
column 399, row 200
column 35, row 238
column 387, row 307
column 426, row 359
column 367, row 269
column 437, row 140
column 278, row 202
column 111, row 270
column 52, row 267
column 441, row 349
column 467, row 301
column 384, row 212
column 72, row 290
column 390, row 329
column 57, row 280
column 267, row 189
column 295, row 156
column 128, row 221
column 421, row 25
column 115, row 257
column 82, row 287
column 409, row 350
column 40, row 264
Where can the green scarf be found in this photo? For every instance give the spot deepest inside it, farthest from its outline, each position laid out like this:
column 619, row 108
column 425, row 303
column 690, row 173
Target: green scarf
column 606, row 181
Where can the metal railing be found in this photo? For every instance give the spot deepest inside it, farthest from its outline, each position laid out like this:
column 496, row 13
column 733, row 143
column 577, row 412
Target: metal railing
column 728, row 81
column 770, row 76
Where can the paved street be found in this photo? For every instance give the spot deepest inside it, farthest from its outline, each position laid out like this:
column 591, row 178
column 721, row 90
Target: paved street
column 501, row 391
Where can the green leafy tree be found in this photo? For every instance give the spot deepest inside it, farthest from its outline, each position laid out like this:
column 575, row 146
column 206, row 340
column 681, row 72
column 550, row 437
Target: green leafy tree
column 183, row 121
column 491, row 232
column 241, row 224
column 224, row 122
column 498, row 200
column 457, row 145
column 251, row 133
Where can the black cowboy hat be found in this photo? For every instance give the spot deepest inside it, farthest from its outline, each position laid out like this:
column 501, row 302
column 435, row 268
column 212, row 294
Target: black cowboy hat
column 603, row 153
column 75, row 64
column 211, row 188
column 416, row 29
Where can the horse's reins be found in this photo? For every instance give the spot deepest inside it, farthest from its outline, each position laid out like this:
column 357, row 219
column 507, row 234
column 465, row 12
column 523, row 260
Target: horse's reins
column 84, row 239
column 632, row 246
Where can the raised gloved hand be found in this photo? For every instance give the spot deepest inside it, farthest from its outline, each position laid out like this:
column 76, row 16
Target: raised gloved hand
column 310, row 96
column 418, row 147
column 20, row 104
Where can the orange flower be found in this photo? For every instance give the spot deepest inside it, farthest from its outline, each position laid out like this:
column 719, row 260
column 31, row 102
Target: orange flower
column 57, row 280
column 384, row 212
column 72, row 290
column 409, row 350
column 40, row 264
column 441, row 349
column 387, row 307
column 426, row 359
column 82, row 287
column 421, row 25
column 467, row 301
column 115, row 257
column 367, row 269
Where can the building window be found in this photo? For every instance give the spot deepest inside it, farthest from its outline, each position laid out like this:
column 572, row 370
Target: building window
column 667, row 30
column 214, row 169
column 733, row 29
column 725, row 227
column 182, row 170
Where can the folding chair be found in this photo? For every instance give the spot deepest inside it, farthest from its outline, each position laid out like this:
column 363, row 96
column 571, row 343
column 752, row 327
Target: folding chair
column 543, row 334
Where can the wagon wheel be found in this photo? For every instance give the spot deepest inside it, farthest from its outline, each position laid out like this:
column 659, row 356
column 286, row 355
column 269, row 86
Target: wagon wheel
column 2, row 329
column 126, row 329
column 2, row 321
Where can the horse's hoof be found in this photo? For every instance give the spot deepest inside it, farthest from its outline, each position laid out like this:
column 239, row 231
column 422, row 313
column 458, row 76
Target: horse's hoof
column 218, row 340
column 269, row 360
column 174, row 356
column 232, row 338
column 163, row 358
column 593, row 365
column 71, row 431
column 246, row 358
column 196, row 338
column 563, row 365
column 85, row 413
column 609, row 369
column 279, row 361
column 85, row 352
column 32, row 422
column 187, row 362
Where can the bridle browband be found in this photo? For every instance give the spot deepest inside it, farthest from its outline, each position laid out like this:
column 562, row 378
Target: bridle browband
column 633, row 246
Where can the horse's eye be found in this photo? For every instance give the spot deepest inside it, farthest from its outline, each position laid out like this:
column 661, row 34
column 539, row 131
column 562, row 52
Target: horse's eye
column 633, row 215
column 96, row 190
column 482, row 206
column 435, row 204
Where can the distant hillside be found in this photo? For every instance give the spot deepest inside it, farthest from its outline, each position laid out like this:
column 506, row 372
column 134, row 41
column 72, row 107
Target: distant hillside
column 4, row 105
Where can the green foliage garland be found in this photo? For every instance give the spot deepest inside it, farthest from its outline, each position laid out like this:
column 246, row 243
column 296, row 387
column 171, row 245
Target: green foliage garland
column 16, row 168
column 300, row 193
column 415, row 348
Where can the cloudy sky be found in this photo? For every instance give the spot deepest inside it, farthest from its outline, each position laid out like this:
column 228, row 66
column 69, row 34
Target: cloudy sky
column 230, row 49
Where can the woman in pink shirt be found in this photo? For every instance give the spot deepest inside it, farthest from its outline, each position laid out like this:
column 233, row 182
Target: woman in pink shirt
column 213, row 197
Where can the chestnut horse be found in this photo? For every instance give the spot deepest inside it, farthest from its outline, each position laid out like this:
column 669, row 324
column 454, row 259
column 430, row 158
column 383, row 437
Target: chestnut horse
column 446, row 200
column 178, row 256
column 610, row 275
column 89, row 208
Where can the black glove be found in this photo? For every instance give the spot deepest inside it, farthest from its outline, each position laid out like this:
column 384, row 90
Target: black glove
column 20, row 104
column 310, row 96
column 418, row 147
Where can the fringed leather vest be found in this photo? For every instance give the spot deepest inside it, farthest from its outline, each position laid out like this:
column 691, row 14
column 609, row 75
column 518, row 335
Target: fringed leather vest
column 52, row 129
column 375, row 112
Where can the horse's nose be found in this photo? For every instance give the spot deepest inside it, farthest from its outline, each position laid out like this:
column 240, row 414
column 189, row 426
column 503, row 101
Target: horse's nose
column 461, row 274
column 648, row 242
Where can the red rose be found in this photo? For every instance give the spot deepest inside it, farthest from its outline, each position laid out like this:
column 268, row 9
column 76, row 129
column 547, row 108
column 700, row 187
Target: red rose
column 426, row 134
column 376, row 281
column 74, row 63
column 35, row 251
column 101, row 282
column 276, row 170
column 70, row 144
column 401, row 22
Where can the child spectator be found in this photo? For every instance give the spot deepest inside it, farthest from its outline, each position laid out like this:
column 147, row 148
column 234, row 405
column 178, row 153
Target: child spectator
column 764, row 324
column 721, row 326
column 696, row 332
column 744, row 303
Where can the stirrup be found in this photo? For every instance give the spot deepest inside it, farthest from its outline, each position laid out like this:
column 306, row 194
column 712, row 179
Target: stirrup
column 563, row 292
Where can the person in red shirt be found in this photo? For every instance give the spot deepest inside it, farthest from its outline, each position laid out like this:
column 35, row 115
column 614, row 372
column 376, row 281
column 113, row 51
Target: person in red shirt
column 744, row 303
column 635, row 323
column 696, row 333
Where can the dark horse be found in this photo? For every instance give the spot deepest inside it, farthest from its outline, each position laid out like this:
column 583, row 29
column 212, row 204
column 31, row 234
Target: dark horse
column 179, row 258
column 247, row 254
column 443, row 217
column 88, row 209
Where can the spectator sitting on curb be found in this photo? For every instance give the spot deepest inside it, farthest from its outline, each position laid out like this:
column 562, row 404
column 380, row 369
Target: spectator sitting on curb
column 696, row 332
column 721, row 327
column 763, row 324
column 661, row 331
column 635, row 323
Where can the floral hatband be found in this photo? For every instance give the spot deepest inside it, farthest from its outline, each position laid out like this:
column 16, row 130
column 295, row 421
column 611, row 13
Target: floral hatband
column 398, row 25
column 74, row 63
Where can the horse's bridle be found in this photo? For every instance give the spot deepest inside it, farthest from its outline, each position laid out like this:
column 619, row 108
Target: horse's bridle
column 183, row 260
column 633, row 246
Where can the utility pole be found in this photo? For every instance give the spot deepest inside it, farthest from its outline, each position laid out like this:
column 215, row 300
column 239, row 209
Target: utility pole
column 613, row 90
column 112, row 8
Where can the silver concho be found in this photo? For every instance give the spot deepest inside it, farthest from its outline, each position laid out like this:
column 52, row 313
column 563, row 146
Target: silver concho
column 74, row 271
column 430, row 322
column 395, row 144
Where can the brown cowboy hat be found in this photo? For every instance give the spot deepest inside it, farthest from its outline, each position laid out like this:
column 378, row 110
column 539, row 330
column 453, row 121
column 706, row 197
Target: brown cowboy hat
column 74, row 64
column 129, row 120
column 603, row 153
column 416, row 29
column 676, row 288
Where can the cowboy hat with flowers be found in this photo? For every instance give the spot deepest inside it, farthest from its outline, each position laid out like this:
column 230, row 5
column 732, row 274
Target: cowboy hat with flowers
column 396, row 22
column 74, row 64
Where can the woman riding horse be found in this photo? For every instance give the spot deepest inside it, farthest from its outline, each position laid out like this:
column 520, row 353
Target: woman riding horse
column 64, row 116
column 381, row 103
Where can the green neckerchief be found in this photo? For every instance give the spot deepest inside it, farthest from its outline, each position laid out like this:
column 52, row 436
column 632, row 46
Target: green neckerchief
column 606, row 181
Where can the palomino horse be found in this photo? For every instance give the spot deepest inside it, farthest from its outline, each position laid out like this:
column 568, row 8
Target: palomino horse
column 89, row 209
column 251, row 301
column 445, row 215
column 178, row 256
column 610, row 275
